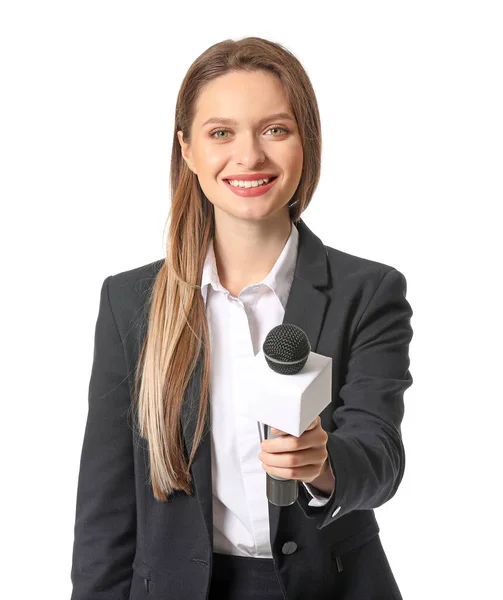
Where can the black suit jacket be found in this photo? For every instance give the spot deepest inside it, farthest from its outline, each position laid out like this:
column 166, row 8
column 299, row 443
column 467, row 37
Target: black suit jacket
column 129, row 545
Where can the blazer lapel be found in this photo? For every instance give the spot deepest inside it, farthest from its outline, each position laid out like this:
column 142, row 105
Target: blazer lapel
column 306, row 307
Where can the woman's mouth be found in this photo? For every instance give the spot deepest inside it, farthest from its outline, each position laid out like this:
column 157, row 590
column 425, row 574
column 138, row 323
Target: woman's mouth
column 250, row 188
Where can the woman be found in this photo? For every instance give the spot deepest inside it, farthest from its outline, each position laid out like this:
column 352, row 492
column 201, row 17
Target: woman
column 171, row 496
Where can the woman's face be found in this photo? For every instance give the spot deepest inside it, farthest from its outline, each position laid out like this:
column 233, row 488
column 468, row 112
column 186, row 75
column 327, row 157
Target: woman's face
column 252, row 142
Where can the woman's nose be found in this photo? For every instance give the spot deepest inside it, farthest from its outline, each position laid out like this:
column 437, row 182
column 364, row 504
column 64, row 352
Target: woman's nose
column 249, row 151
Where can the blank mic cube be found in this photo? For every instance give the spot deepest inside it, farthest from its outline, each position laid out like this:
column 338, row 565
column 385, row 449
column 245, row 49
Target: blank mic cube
column 287, row 402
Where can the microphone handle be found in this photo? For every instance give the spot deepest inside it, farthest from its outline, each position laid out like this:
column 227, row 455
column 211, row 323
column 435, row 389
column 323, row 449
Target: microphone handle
column 280, row 491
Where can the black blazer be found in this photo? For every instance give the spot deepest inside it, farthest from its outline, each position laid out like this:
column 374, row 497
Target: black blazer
column 129, row 545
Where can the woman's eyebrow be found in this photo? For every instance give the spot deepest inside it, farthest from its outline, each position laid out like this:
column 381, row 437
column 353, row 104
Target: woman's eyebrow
column 226, row 121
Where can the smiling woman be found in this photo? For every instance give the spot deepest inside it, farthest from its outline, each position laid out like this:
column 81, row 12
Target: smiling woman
column 171, row 497
column 256, row 104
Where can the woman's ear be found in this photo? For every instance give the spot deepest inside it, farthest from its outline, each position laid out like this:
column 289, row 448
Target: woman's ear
column 186, row 151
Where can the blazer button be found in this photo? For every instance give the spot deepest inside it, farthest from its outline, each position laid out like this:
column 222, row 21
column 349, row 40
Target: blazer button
column 289, row 548
column 336, row 511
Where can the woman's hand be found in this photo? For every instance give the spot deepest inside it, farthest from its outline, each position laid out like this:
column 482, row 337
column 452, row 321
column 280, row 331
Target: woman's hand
column 304, row 458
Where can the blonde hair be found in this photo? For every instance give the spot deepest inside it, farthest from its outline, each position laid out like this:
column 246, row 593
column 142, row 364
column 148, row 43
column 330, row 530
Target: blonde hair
column 177, row 329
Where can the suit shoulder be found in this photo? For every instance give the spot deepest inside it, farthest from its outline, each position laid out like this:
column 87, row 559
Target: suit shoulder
column 130, row 290
column 359, row 276
column 342, row 264
column 356, row 281
column 133, row 276
column 137, row 278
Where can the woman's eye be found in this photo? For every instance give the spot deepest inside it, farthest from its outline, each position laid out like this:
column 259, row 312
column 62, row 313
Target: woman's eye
column 212, row 134
column 216, row 131
column 283, row 129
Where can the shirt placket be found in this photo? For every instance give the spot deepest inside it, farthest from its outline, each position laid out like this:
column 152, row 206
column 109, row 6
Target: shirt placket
column 254, row 479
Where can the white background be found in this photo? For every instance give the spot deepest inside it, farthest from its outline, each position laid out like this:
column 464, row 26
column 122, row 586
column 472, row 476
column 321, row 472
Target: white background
column 411, row 99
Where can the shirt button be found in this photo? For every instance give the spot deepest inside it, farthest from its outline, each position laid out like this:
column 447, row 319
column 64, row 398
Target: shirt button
column 289, row 548
column 336, row 511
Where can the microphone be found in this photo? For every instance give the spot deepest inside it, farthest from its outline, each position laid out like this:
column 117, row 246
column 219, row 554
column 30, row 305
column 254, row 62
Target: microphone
column 286, row 349
column 270, row 394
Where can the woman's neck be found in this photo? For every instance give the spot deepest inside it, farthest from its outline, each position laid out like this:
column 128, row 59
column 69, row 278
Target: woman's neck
column 246, row 251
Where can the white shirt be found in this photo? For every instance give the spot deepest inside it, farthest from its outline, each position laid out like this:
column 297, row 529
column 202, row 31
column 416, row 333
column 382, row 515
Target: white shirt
column 238, row 328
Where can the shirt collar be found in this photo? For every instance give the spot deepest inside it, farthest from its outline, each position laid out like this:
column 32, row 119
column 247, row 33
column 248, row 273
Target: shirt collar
column 279, row 278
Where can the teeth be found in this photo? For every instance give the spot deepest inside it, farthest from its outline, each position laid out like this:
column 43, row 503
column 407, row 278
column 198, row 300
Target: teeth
column 248, row 184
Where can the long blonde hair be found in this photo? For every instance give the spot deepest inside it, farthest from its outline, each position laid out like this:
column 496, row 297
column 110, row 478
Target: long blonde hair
column 177, row 329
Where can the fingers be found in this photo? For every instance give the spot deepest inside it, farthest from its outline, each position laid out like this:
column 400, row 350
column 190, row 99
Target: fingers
column 314, row 424
column 277, row 431
column 285, row 460
column 313, row 436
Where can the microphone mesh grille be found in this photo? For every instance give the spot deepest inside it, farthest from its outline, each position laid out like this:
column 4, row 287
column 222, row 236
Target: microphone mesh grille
column 287, row 343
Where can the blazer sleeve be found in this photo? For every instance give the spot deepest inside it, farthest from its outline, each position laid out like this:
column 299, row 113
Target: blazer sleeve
column 105, row 522
column 365, row 450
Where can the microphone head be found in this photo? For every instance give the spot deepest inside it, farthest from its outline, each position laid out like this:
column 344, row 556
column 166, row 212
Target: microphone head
column 286, row 349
